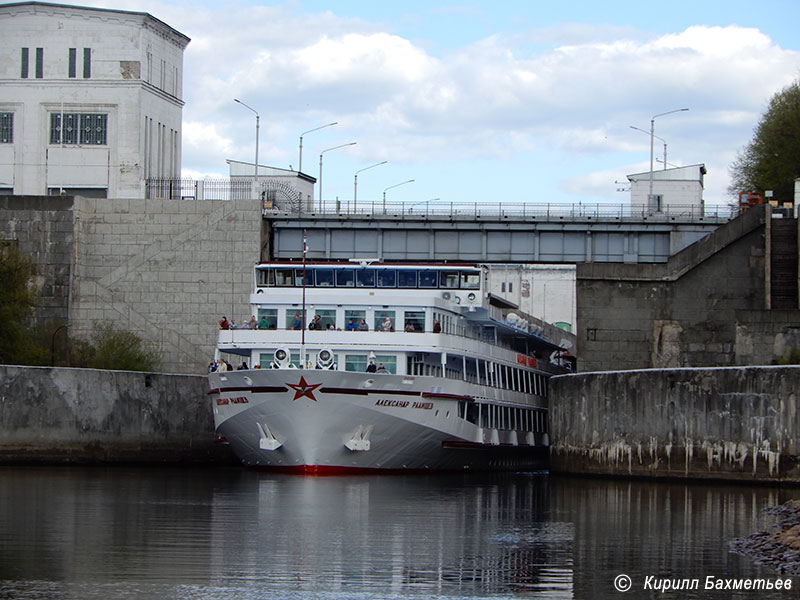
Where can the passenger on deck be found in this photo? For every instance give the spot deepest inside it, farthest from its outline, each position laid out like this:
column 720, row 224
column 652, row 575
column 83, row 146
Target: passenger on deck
column 387, row 324
column 252, row 324
column 351, row 325
column 437, row 327
column 371, row 368
column 223, row 323
column 381, row 369
column 362, row 326
column 298, row 322
column 263, row 323
column 410, row 327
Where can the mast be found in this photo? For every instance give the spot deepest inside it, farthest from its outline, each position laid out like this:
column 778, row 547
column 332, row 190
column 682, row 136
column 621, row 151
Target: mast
column 303, row 321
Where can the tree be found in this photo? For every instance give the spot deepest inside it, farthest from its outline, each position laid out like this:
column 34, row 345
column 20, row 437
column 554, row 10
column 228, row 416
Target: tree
column 771, row 161
column 17, row 302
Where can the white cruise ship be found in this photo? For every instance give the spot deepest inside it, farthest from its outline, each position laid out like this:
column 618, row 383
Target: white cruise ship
column 369, row 366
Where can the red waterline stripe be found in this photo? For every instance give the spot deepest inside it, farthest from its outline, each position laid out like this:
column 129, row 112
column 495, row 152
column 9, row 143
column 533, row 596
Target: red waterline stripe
column 333, row 471
column 259, row 390
column 367, row 392
column 443, row 395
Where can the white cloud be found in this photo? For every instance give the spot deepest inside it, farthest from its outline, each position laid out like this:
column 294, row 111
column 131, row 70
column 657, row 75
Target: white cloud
column 572, row 89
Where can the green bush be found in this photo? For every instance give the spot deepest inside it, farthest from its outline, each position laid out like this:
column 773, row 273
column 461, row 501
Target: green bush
column 113, row 348
column 17, row 301
column 792, row 357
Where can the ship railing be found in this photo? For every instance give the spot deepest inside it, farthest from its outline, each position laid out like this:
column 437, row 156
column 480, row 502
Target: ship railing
column 254, row 338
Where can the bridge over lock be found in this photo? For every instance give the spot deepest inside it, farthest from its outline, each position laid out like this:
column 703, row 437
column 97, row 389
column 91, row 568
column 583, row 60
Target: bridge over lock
column 488, row 232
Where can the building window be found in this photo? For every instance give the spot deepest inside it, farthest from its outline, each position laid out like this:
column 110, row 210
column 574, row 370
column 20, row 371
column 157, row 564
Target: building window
column 23, row 72
column 6, row 128
column 39, row 63
column 87, row 63
column 78, row 128
column 73, row 60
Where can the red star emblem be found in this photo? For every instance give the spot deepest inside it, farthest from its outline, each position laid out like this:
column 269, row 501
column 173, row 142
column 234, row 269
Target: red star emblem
column 303, row 389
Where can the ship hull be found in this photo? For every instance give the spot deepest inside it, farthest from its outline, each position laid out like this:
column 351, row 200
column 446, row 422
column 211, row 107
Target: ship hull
column 315, row 421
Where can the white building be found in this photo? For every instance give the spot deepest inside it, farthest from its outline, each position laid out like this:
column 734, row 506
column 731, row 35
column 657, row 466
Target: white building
column 90, row 100
column 681, row 187
column 543, row 291
column 283, row 189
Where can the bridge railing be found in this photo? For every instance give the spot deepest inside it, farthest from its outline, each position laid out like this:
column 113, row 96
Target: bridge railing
column 515, row 210
column 274, row 205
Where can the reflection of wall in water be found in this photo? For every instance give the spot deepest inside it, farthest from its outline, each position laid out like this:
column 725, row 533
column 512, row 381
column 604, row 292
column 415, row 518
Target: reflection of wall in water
column 665, row 530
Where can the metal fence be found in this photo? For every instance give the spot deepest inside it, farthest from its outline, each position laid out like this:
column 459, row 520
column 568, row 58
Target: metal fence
column 200, row 189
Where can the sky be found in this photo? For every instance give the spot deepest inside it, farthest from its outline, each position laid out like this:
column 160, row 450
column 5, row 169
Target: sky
column 475, row 101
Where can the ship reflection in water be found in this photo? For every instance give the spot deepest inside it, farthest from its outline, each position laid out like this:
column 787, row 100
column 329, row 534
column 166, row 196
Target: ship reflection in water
column 242, row 534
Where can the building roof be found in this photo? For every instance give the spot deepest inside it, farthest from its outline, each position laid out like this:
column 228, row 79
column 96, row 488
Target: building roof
column 687, row 173
column 184, row 40
column 268, row 171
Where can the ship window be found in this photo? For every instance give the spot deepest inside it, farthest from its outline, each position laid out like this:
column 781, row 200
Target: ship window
column 355, row 362
column 324, row 277
column 265, row 277
column 267, row 318
column 387, row 278
column 407, row 278
column 428, row 279
column 298, row 277
column 470, row 281
column 292, row 316
column 388, row 361
column 356, row 316
column 365, row 278
column 345, row 278
column 327, row 318
column 380, row 320
column 448, row 279
column 414, row 320
column 283, row 277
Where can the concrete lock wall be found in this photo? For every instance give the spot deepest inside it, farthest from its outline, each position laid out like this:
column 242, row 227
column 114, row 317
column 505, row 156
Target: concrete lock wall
column 88, row 416
column 167, row 270
column 712, row 423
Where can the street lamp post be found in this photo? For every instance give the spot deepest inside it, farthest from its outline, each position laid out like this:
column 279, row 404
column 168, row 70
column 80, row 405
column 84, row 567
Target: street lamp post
column 320, row 167
column 652, row 135
column 390, row 187
column 257, row 126
column 355, row 180
column 658, row 138
column 300, row 164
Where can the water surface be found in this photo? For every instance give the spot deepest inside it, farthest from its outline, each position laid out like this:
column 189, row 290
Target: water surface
column 232, row 533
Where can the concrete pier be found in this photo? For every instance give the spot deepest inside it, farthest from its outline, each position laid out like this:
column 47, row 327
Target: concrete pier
column 736, row 423
column 51, row 415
